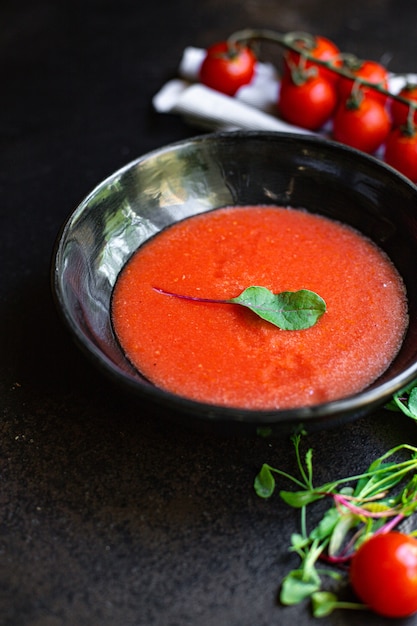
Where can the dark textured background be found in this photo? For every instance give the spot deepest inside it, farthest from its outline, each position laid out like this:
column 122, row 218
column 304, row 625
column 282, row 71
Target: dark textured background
column 109, row 514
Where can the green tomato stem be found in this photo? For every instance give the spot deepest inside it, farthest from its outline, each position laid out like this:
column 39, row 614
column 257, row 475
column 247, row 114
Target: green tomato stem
column 289, row 41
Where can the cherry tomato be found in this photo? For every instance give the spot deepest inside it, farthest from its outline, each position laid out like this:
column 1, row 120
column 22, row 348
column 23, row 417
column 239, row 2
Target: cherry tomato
column 401, row 152
column 322, row 49
column 372, row 72
column 364, row 126
column 383, row 574
column 309, row 104
column 226, row 68
column 399, row 110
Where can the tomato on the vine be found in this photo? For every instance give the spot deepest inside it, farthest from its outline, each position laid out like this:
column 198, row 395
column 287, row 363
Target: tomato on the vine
column 371, row 72
column 321, row 48
column 227, row 67
column 363, row 125
column 400, row 110
column 309, row 104
column 401, row 151
column 383, row 574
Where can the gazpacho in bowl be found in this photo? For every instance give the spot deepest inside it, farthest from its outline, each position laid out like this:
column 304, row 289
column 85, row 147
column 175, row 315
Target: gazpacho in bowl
column 198, row 348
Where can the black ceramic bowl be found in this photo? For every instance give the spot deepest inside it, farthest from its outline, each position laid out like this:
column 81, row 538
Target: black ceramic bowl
column 243, row 168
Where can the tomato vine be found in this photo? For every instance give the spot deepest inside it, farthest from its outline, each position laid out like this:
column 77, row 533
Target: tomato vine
column 302, row 43
column 317, row 85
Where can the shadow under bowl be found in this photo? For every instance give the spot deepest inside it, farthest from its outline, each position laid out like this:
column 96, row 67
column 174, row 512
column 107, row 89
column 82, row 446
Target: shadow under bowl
column 224, row 169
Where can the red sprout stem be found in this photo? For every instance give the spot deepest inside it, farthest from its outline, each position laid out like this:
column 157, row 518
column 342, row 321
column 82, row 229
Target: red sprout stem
column 386, row 528
column 346, row 502
column 194, row 298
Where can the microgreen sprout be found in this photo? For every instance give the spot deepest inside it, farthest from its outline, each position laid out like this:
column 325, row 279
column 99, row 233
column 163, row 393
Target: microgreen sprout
column 362, row 505
column 405, row 400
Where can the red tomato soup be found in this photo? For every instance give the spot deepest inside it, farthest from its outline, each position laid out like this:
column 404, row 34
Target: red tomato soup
column 226, row 354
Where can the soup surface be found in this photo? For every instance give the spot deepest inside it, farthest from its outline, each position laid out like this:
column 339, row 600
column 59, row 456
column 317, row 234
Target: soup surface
column 226, row 354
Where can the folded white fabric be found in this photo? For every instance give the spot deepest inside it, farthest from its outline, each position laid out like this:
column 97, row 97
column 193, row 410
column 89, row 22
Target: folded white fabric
column 252, row 108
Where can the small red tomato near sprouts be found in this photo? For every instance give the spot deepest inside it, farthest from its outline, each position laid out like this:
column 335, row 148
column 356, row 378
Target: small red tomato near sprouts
column 227, row 67
column 383, row 574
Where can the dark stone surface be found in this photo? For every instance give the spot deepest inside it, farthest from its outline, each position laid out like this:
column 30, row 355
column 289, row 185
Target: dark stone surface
column 109, row 513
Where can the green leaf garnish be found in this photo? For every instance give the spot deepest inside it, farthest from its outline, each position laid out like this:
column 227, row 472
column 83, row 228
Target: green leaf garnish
column 288, row 310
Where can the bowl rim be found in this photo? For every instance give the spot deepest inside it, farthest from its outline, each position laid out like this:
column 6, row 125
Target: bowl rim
column 358, row 403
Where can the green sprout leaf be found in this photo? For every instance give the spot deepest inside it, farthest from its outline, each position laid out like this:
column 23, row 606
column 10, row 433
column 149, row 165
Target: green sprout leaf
column 288, row 310
column 299, row 542
column 264, row 482
column 325, row 602
column 298, row 586
column 412, row 401
column 405, row 400
column 327, row 525
column 298, row 499
column 340, row 531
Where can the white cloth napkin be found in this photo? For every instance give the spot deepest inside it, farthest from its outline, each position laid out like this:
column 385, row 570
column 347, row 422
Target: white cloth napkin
column 252, row 108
